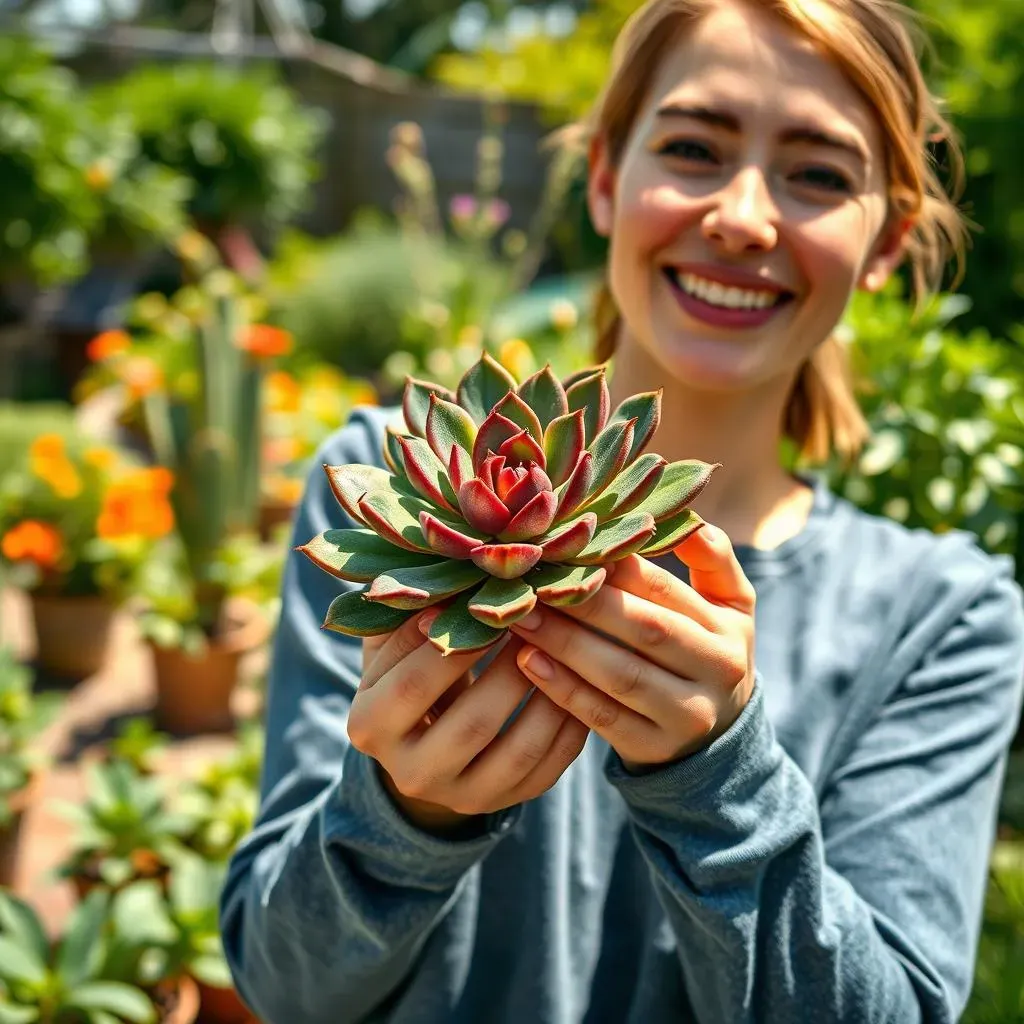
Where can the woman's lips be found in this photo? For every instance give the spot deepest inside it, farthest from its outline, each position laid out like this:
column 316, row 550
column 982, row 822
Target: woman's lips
column 719, row 316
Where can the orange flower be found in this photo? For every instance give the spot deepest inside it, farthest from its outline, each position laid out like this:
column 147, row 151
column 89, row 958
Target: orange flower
column 138, row 505
column 107, row 344
column 49, row 462
column 264, row 342
column 142, row 376
column 284, row 393
column 33, row 541
column 103, row 459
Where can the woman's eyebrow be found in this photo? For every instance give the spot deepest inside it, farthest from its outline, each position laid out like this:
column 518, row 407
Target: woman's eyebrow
column 798, row 133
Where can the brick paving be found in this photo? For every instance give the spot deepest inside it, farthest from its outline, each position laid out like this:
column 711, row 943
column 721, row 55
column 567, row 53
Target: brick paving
column 89, row 715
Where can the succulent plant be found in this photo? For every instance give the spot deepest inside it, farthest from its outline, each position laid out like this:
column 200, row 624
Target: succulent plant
column 498, row 496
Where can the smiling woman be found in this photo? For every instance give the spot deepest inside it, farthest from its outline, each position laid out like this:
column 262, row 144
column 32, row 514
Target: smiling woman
column 752, row 780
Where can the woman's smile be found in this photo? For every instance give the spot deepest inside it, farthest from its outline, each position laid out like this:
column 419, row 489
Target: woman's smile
column 722, row 297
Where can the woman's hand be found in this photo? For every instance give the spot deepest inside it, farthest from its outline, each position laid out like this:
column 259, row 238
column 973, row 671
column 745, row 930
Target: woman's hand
column 435, row 733
column 686, row 669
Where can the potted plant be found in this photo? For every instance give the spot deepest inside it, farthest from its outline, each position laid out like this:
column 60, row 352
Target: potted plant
column 77, row 520
column 160, row 936
column 125, row 829
column 22, row 716
column 69, row 981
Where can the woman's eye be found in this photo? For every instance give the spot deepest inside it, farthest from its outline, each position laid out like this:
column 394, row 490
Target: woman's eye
column 824, row 178
column 688, row 149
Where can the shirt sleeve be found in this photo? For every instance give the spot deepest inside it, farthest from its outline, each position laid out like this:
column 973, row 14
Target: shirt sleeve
column 865, row 904
column 330, row 900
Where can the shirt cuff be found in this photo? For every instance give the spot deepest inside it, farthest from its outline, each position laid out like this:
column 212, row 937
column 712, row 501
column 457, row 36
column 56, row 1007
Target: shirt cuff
column 726, row 772
column 362, row 817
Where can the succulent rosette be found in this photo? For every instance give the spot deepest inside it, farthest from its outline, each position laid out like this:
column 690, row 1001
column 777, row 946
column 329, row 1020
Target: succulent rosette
column 499, row 496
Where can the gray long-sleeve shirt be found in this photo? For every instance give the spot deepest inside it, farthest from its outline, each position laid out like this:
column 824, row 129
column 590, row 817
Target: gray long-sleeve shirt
column 823, row 860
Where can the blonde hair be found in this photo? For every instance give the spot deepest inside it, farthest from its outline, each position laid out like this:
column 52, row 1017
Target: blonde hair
column 876, row 45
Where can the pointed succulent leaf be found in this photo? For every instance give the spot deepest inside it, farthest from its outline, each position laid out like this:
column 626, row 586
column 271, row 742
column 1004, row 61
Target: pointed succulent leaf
column 544, row 394
column 564, row 440
column 416, row 403
column 506, row 561
column 393, row 450
column 532, row 482
column 499, row 603
column 679, row 485
column 610, row 449
column 581, row 374
column 490, row 469
column 448, row 424
column 645, row 408
column 446, row 540
column 483, row 386
column 532, row 519
column 353, row 615
column 455, row 629
column 359, row 555
column 565, row 585
column 427, row 473
column 570, row 539
column 421, row 586
column 618, row 538
column 522, row 448
column 394, row 518
column 672, row 532
column 574, row 491
column 483, row 509
column 494, row 430
column 507, row 479
column 460, row 467
column 515, row 409
column 349, row 483
column 590, row 394
column 629, row 488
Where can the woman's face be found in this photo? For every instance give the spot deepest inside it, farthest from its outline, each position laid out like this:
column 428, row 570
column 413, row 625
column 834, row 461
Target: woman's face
column 749, row 204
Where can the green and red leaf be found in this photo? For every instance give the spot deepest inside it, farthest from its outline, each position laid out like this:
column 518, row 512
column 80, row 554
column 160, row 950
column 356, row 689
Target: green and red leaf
column 645, row 408
column 393, row 450
column 455, row 629
column 564, row 440
column 395, row 518
column 353, row 615
column 499, row 603
column 629, row 488
column 514, row 408
column 460, row 467
column 672, row 532
column 574, row 491
column 618, row 538
column 493, row 432
column 506, row 561
column 421, row 586
column 359, row 555
column 679, row 485
column 416, row 403
column 569, row 540
column 565, row 585
column 483, row 386
column 530, row 483
column 522, row 448
column 427, row 473
column 610, row 450
column 544, row 394
column 448, row 424
column 532, row 519
column 445, row 539
column 590, row 393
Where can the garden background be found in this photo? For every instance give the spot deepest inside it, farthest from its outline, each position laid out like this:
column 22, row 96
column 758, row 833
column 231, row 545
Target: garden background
column 222, row 226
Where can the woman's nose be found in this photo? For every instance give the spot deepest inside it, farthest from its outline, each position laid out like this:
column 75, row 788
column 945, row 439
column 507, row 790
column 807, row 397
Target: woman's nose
column 743, row 216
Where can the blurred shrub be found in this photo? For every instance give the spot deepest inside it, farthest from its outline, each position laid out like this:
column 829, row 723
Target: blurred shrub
column 240, row 137
column 947, row 418
column 22, row 422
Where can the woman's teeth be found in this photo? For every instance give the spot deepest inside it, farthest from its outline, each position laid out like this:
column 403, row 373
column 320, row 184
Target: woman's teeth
column 715, row 294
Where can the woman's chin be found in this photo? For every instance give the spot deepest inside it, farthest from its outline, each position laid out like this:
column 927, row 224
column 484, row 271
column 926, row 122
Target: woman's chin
column 709, row 364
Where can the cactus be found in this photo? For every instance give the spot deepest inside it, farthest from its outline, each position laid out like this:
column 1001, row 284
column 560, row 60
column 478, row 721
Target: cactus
column 500, row 495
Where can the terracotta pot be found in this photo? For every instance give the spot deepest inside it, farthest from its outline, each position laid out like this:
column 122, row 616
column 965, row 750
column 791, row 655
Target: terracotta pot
column 72, row 633
column 222, row 1006
column 194, row 692
column 272, row 515
column 10, row 835
column 177, row 1001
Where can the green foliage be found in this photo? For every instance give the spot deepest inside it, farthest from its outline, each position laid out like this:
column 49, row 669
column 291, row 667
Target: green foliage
column 947, row 420
column 240, row 137
column 22, row 422
column 68, row 983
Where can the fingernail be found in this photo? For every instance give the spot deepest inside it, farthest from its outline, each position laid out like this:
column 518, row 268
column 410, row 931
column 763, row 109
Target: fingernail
column 530, row 622
column 535, row 664
column 426, row 621
column 710, row 533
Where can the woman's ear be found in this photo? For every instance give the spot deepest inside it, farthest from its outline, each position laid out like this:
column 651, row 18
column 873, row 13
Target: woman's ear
column 600, row 187
column 887, row 254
